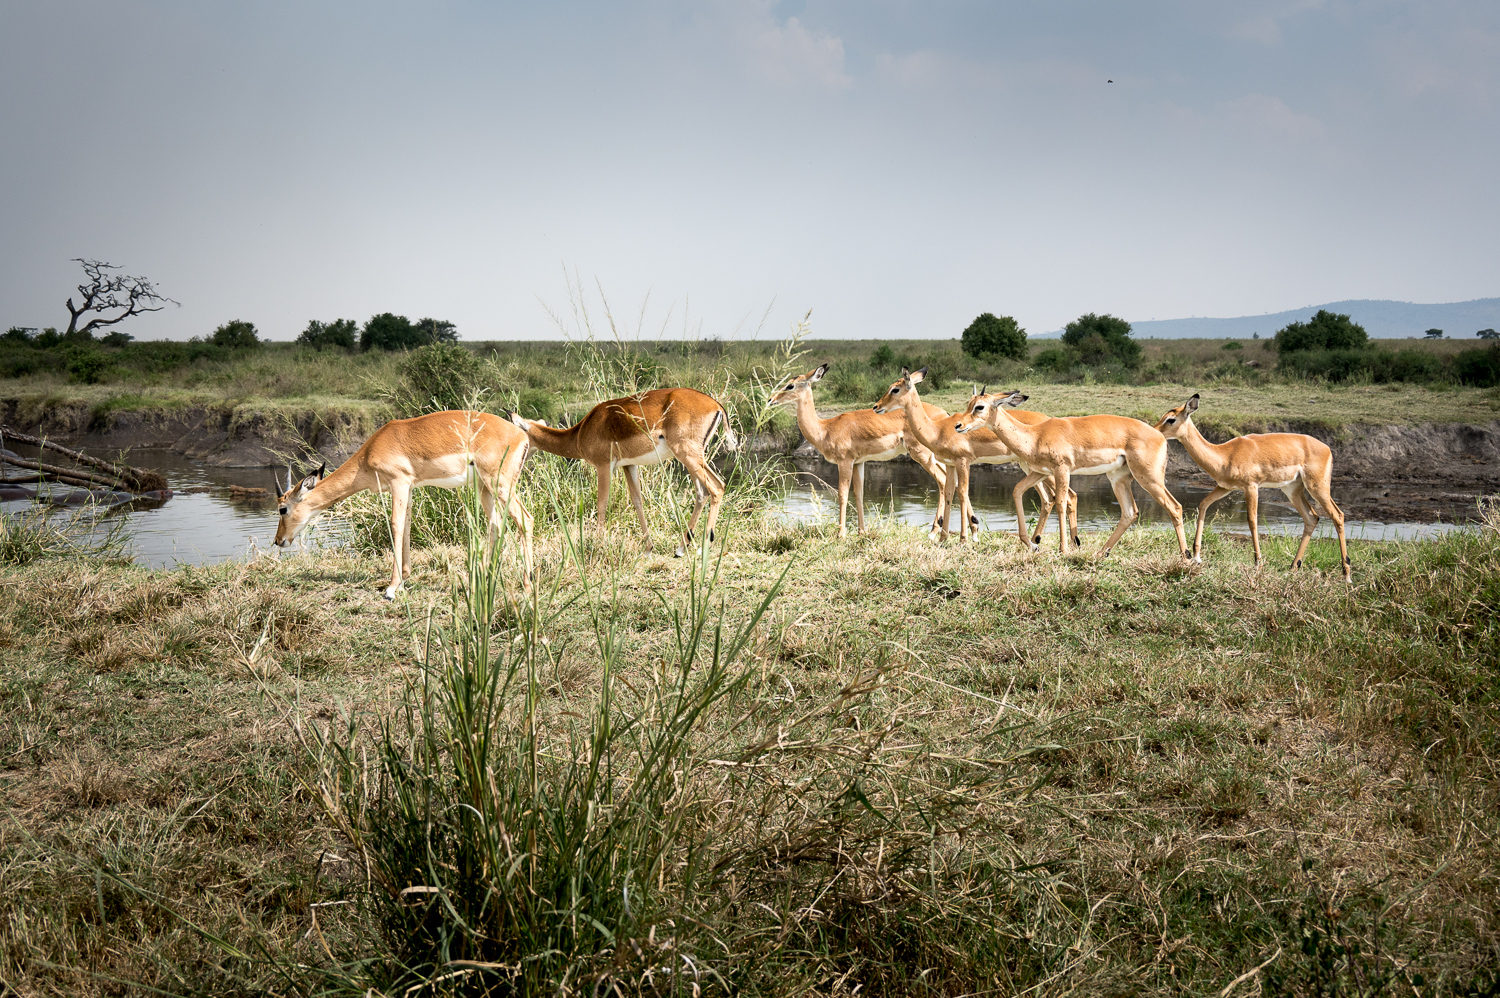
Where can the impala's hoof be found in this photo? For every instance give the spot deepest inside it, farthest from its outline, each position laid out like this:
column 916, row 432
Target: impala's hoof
column 390, row 594
column 1036, row 540
column 1295, row 565
column 1077, row 542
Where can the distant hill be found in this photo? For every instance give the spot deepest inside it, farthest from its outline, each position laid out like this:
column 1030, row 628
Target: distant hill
column 1459, row 320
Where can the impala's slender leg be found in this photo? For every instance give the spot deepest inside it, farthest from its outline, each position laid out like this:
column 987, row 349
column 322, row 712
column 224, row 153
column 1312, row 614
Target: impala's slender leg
column 1318, row 486
column 1156, row 488
column 859, row 494
column 709, row 486
column 1073, row 518
column 944, row 478
column 1017, row 494
column 1252, row 513
column 1297, row 493
column 633, row 481
column 1120, row 481
column 406, row 542
column 1061, row 493
column 522, row 517
column 1218, row 493
column 846, row 478
column 602, row 472
column 1045, row 503
column 965, row 504
column 400, row 515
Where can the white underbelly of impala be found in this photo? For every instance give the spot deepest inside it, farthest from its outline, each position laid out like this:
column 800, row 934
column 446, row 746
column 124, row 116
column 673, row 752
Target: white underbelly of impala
column 661, row 452
column 1102, row 469
column 884, row 455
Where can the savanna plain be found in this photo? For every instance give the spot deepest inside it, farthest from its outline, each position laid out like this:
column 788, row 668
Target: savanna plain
column 790, row 764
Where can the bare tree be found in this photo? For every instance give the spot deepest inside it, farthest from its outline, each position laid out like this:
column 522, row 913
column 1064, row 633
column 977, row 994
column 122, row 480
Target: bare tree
column 105, row 292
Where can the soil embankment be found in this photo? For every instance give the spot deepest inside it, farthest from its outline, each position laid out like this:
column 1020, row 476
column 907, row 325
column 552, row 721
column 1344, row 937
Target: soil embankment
column 1416, row 473
column 230, row 435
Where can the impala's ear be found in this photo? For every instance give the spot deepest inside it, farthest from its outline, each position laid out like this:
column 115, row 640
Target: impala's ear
column 1192, row 405
column 308, row 483
column 1014, row 399
column 905, row 373
column 323, row 471
column 817, row 375
column 916, row 376
column 517, row 421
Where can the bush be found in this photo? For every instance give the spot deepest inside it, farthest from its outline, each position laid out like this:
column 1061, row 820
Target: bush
column 1324, row 331
column 388, row 331
column 883, row 359
column 338, row 334
column 1380, row 366
column 1233, row 345
column 1100, row 338
column 436, row 377
column 1055, row 359
column 1480, row 368
column 990, row 336
column 87, row 365
column 236, row 335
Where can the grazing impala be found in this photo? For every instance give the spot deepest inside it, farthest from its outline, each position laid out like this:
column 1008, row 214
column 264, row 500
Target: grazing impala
column 1123, row 449
column 958, row 452
column 648, row 428
column 446, row 449
column 850, row 439
column 1295, row 463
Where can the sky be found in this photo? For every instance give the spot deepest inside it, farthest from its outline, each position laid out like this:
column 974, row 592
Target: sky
column 721, row 168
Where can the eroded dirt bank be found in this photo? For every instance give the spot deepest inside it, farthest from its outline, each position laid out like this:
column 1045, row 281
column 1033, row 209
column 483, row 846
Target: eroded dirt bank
column 232, row 435
column 1421, row 472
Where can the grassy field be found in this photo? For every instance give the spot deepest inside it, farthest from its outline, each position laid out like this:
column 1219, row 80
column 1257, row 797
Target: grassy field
column 877, row 766
column 561, row 380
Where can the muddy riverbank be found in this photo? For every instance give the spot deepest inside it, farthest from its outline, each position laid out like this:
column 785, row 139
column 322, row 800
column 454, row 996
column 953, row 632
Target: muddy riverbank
column 1419, row 473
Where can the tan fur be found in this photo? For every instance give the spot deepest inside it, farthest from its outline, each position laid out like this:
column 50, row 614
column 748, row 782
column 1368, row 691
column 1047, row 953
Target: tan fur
column 1297, row 464
column 1124, row 449
column 442, row 448
column 850, row 439
column 654, row 426
column 958, row 452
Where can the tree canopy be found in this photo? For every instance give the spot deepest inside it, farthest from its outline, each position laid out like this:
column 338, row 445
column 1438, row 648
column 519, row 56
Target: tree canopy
column 1324, row 331
column 995, row 336
column 1101, row 338
column 236, row 334
column 104, row 293
column 388, row 331
column 340, row 334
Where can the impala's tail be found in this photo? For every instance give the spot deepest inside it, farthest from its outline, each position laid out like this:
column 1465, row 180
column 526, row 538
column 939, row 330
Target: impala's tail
column 721, row 420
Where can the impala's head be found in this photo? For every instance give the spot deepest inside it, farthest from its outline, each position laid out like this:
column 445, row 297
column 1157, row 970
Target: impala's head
column 789, row 390
column 984, row 408
column 901, row 393
column 1176, row 419
column 294, row 515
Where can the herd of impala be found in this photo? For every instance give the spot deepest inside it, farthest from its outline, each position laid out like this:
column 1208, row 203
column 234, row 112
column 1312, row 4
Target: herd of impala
column 451, row 449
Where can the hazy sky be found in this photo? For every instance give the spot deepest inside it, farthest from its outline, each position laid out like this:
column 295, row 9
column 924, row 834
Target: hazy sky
column 897, row 167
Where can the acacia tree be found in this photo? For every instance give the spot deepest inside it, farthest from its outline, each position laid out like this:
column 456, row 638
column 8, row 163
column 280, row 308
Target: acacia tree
column 104, row 293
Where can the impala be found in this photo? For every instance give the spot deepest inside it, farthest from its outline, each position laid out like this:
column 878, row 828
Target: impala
column 958, row 452
column 1115, row 446
column 647, row 428
column 446, row 449
column 1295, row 463
column 851, row 439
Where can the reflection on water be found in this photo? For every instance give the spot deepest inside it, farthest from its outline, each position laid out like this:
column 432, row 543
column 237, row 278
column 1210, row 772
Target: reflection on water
column 903, row 490
column 202, row 526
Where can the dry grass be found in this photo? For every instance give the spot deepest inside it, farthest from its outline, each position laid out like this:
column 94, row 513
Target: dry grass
column 1224, row 762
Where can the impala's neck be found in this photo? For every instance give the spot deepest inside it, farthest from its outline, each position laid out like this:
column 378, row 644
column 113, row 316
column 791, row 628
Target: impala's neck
column 1209, row 457
column 813, row 426
column 918, row 421
column 340, row 484
column 563, row 443
column 1016, row 435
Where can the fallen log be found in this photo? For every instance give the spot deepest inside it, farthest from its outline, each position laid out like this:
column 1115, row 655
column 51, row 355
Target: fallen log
column 71, row 475
column 132, row 478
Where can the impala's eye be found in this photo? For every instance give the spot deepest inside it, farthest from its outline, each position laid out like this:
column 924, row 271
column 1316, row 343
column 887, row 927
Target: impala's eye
column 1172, row 420
column 894, row 390
column 979, row 408
column 283, row 511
